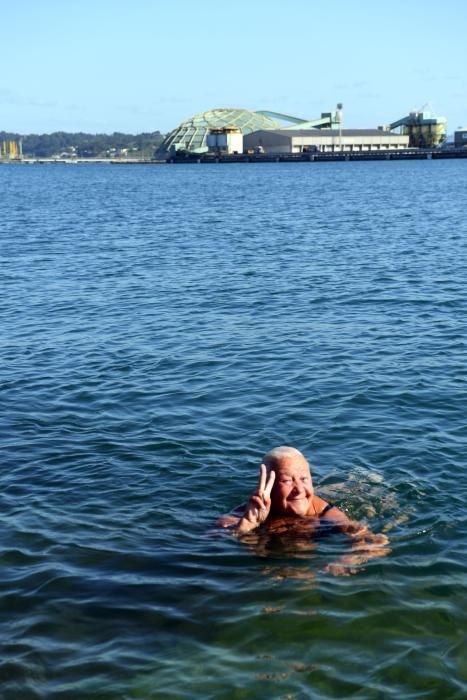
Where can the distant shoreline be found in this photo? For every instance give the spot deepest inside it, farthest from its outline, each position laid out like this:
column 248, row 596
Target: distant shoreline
column 81, row 161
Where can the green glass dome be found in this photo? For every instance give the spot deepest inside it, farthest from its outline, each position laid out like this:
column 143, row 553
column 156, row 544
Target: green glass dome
column 191, row 134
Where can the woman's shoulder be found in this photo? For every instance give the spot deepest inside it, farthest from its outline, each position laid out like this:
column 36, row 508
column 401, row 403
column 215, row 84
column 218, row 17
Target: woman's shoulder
column 320, row 505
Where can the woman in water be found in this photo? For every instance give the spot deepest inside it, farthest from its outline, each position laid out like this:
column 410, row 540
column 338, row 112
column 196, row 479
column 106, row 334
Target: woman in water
column 285, row 501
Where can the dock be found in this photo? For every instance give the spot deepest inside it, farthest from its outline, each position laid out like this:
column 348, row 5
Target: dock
column 319, row 157
column 315, row 157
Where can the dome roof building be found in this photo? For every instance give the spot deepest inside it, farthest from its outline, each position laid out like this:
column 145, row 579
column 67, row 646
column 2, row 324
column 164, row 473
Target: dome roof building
column 191, row 134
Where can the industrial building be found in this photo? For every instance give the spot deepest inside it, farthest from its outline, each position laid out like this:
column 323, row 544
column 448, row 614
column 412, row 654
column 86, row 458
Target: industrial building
column 225, row 140
column 192, row 134
column 460, row 138
column 324, row 140
column 233, row 131
column 10, row 149
column 423, row 128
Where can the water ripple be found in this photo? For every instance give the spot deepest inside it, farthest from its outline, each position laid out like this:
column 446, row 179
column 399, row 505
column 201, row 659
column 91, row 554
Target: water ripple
column 161, row 329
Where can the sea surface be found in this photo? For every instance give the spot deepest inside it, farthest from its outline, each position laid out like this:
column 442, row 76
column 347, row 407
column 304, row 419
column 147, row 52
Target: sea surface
column 161, row 328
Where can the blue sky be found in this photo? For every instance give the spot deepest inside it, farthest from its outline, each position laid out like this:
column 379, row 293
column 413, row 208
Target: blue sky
column 104, row 66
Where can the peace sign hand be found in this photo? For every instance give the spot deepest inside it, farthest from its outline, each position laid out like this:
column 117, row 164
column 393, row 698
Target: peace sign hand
column 259, row 504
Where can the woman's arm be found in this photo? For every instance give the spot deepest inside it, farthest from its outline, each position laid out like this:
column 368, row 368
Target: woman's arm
column 365, row 545
column 231, row 519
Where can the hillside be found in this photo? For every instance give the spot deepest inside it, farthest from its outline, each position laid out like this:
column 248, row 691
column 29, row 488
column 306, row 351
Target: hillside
column 61, row 143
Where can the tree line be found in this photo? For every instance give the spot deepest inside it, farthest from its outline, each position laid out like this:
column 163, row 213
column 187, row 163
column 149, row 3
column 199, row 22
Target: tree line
column 85, row 145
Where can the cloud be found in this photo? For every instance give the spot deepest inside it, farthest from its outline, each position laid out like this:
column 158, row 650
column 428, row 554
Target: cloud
column 9, row 96
column 42, row 104
column 354, row 85
column 13, row 98
column 432, row 76
column 368, row 95
column 138, row 110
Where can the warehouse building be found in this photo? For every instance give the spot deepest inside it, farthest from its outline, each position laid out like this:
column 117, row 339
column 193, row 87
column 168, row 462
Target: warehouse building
column 324, row 140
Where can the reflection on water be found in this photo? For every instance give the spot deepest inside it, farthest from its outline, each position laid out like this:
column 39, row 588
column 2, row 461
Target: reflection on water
column 162, row 328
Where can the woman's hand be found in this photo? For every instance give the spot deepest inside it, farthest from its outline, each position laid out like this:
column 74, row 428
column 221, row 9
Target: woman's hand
column 259, row 504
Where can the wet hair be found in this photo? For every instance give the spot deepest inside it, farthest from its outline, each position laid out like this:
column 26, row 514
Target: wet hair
column 274, row 455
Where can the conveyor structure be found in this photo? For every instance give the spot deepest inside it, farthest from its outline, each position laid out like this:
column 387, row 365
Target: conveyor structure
column 423, row 128
column 327, row 120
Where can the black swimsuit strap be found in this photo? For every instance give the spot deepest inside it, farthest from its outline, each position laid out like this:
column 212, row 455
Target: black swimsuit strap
column 326, row 508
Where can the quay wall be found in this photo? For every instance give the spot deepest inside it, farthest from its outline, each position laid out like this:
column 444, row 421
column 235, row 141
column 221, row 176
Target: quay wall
column 403, row 154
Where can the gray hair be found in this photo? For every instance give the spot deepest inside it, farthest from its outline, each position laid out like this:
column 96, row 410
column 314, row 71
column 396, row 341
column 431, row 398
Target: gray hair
column 278, row 452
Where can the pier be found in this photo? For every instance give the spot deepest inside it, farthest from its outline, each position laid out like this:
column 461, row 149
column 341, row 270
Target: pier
column 318, row 157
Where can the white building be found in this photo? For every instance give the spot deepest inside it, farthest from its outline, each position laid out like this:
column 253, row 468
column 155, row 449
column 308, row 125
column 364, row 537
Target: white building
column 325, row 140
column 225, row 140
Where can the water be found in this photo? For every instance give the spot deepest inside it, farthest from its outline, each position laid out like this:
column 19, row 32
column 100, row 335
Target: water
column 161, row 328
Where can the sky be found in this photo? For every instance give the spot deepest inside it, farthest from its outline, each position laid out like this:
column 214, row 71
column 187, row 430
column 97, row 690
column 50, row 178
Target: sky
column 101, row 66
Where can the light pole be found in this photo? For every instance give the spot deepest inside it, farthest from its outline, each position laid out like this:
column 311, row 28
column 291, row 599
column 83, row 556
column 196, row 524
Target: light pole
column 339, row 120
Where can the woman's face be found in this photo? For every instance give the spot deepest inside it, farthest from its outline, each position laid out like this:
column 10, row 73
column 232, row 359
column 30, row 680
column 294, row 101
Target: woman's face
column 292, row 492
